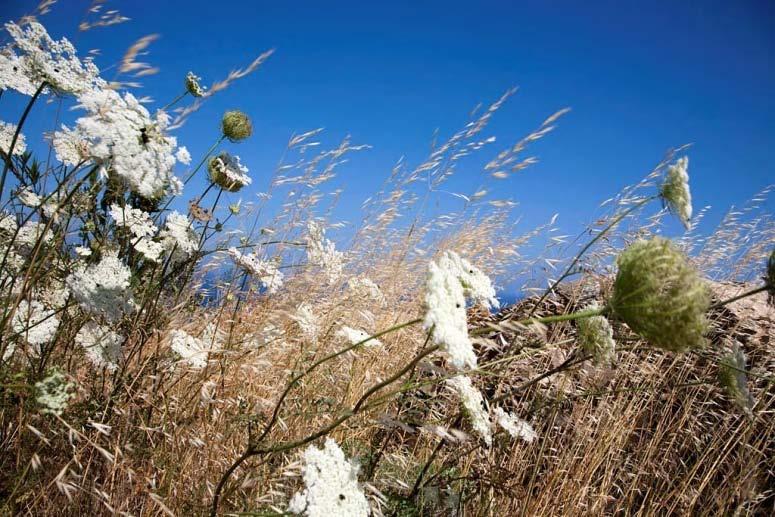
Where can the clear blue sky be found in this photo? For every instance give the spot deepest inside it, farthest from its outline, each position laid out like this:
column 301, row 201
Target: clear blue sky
column 640, row 77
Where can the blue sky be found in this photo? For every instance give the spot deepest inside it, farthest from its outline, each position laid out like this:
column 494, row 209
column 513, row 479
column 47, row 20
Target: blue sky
column 640, row 77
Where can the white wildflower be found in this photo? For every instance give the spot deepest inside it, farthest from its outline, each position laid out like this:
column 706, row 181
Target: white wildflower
column 476, row 285
column 227, row 172
column 446, row 315
column 264, row 270
column 473, row 404
column 322, row 252
column 120, row 133
column 44, row 59
column 70, row 146
column 83, row 251
column 28, row 197
column 190, row 349
column 6, row 137
column 14, row 74
column 356, row 336
column 675, row 190
column 331, row 485
column 103, row 288
column 307, row 320
column 137, row 221
column 54, row 392
column 193, row 86
column 183, row 156
column 148, row 248
column 596, row 337
column 102, row 345
column 514, row 425
column 364, row 287
column 31, row 232
column 34, row 323
column 178, row 235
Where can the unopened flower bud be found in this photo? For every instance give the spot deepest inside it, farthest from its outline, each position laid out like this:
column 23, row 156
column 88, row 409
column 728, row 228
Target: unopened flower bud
column 236, row 126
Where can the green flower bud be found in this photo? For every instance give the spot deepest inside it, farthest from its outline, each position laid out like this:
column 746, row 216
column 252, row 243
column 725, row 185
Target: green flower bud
column 733, row 379
column 192, row 85
column 596, row 337
column 661, row 296
column 236, row 126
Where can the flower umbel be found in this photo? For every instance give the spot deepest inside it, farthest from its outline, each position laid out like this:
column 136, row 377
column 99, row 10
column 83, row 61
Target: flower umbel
column 675, row 190
column 733, row 379
column 660, row 295
column 192, row 85
column 227, row 172
column 596, row 337
column 53, row 393
column 236, row 126
column 473, row 404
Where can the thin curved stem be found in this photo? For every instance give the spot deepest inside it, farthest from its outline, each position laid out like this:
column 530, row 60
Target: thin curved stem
column 746, row 294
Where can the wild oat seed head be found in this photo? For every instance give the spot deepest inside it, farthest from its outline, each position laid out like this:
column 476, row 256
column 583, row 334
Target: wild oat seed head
column 660, row 295
column 331, row 485
column 227, row 172
column 675, row 190
column 596, row 337
column 192, row 85
column 236, row 126
column 733, row 379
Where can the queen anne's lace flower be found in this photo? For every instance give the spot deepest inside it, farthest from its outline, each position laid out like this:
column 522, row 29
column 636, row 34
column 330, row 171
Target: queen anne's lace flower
column 54, row 392
column 138, row 222
column 734, row 380
column 227, row 172
column 120, row 133
column 103, row 288
column 34, row 323
column 264, row 270
column 31, row 233
column 447, row 284
column 596, row 337
column 6, row 137
column 322, row 252
column 183, row 156
column 70, row 146
column 192, row 85
column 356, row 336
column 307, row 320
column 515, row 426
column 364, row 287
column 102, row 345
column 331, row 485
column 190, row 349
column 473, row 404
column 675, row 190
column 660, row 295
column 178, row 237
column 44, row 59
column 236, row 126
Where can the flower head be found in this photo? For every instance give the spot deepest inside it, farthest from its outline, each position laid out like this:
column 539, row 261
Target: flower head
column 6, row 137
column 266, row 271
column 34, row 323
column 192, row 85
column 331, row 485
column 227, row 172
column 178, row 237
column 596, row 337
column 102, row 345
column 356, row 336
column 660, row 295
column 515, row 426
column 236, row 126
column 54, row 392
column 734, row 380
column 103, row 288
column 191, row 350
column 473, row 405
column 322, row 252
column 675, row 190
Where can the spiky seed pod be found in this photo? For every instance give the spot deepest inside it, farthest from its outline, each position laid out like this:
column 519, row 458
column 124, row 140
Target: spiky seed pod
column 675, row 190
column 236, row 126
column 660, row 295
column 733, row 379
column 596, row 337
column 192, row 85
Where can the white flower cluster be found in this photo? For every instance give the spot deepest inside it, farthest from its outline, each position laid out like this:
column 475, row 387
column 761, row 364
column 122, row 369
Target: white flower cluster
column 228, row 172
column 192, row 350
column 6, row 137
column 40, row 59
column 331, row 485
column 356, row 336
column 140, row 225
column 264, row 270
column 102, row 345
column 54, row 392
column 364, row 287
column 120, row 133
column 103, row 288
column 514, row 425
column 449, row 281
column 473, row 404
column 322, row 252
column 307, row 321
column 34, row 323
column 178, row 237
column 596, row 337
column 675, row 190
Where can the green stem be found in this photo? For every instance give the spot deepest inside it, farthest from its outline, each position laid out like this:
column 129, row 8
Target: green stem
column 175, row 101
column 756, row 290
